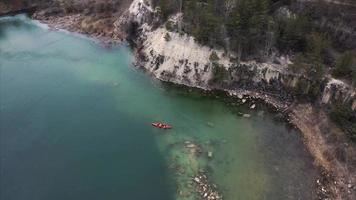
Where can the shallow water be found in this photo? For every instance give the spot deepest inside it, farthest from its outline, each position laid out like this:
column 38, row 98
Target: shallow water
column 75, row 124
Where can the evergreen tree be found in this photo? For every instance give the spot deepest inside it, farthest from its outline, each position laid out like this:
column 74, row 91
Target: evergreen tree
column 344, row 65
column 317, row 44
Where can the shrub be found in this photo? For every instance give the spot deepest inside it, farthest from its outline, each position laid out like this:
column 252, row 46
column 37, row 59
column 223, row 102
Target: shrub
column 170, row 26
column 344, row 65
column 213, row 57
column 220, row 74
column 345, row 117
column 167, row 37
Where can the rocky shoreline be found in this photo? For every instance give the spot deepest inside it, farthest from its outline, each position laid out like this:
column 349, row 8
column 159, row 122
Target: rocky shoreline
column 206, row 190
column 191, row 174
column 335, row 181
column 79, row 23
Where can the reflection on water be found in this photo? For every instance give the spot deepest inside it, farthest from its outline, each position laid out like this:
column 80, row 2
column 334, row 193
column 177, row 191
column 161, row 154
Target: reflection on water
column 75, row 124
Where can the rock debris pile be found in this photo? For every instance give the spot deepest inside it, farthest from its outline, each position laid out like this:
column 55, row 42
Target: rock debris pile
column 206, row 190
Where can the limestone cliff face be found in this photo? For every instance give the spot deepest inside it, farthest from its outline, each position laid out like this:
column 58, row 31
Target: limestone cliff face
column 177, row 58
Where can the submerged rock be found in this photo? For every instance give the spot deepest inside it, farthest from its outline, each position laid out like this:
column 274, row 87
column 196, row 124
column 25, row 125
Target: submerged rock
column 205, row 189
column 210, row 124
column 194, row 149
column 115, row 84
column 261, row 113
column 210, row 154
column 246, row 115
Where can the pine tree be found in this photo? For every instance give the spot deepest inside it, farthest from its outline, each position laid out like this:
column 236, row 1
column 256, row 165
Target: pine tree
column 344, row 65
column 317, row 44
column 234, row 28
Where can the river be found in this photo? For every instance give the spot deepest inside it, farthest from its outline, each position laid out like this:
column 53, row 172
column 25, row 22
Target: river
column 75, row 124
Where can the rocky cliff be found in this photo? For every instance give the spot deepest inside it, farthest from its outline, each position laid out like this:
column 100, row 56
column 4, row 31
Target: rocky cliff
column 175, row 57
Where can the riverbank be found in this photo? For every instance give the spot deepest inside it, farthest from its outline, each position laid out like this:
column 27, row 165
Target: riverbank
column 99, row 19
column 321, row 137
column 336, row 180
column 102, row 30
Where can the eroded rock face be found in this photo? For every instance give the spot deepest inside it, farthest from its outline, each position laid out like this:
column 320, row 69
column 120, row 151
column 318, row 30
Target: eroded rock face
column 339, row 92
column 140, row 11
column 178, row 58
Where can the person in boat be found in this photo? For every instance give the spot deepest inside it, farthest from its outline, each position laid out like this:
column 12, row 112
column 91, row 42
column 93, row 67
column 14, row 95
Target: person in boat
column 161, row 125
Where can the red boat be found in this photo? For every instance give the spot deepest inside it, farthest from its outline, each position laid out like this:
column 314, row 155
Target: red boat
column 161, row 125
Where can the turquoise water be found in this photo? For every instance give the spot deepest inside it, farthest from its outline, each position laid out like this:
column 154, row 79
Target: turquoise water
column 75, row 124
